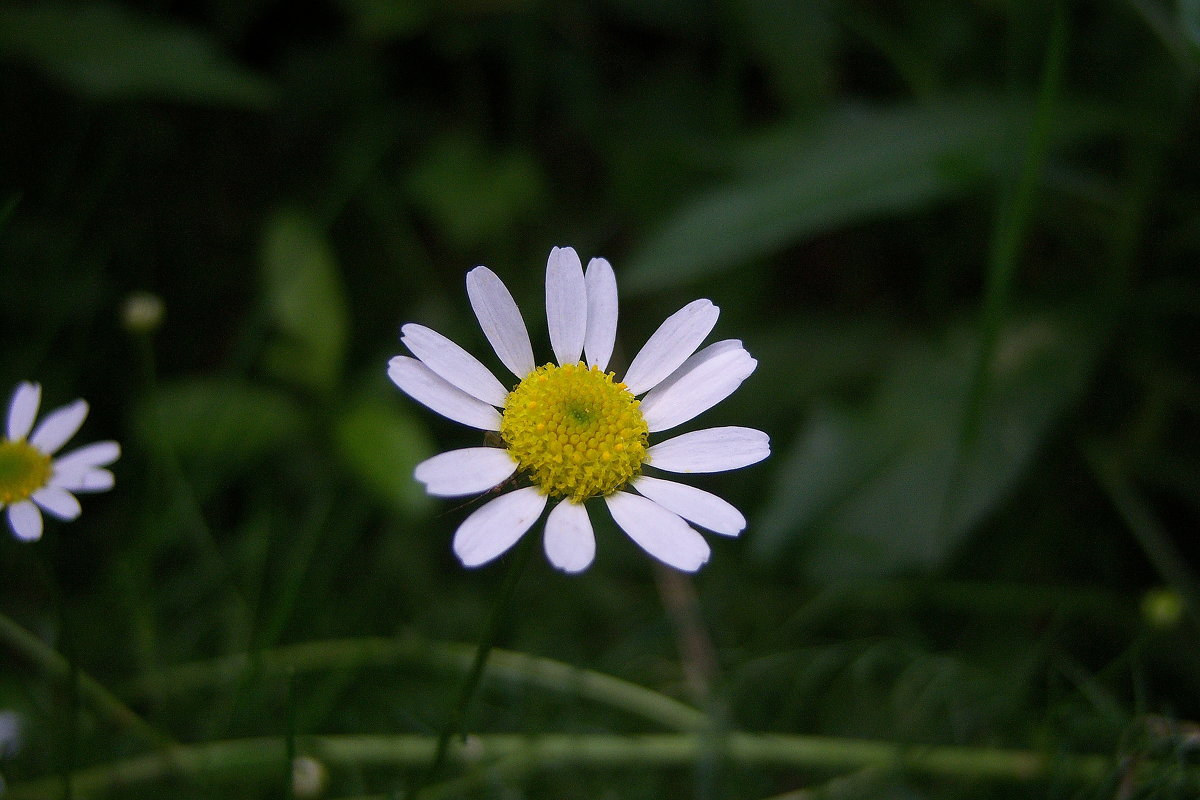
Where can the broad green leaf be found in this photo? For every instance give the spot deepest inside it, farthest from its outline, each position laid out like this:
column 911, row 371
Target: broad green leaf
column 218, row 427
column 890, row 487
column 305, row 302
column 381, row 444
column 846, row 166
column 474, row 195
column 109, row 52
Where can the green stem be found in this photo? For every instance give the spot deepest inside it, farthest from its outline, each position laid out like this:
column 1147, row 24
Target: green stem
column 512, row 667
column 1161, row 551
column 240, row 761
column 456, row 725
column 91, row 691
column 1012, row 223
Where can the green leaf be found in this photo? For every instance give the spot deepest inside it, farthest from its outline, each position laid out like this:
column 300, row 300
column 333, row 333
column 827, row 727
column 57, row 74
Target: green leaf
column 109, row 52
column 888, row 488
column 473, row 195
column 847, row 166
column 381, row 444
column 305, row 302
column 218, row 427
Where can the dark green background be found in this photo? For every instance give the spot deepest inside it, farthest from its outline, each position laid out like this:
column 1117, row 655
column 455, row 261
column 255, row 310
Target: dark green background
column 960, row 238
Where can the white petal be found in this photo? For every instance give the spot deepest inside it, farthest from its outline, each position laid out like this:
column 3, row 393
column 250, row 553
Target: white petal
column 566, row 304
column 97, row 454
column 497, row 526
column 659, row 532
column 425, row 386
column 22, row 410
column 710, row 450
column 57, row 427
column 570, row 543
column 453, row 363
column 501, row 320
column 471, row 470
column 58, row 502
column 84, row 480
column 695, row 505
column 670, row 345
column 700, row 383
column 601, row 313
column 25, row 521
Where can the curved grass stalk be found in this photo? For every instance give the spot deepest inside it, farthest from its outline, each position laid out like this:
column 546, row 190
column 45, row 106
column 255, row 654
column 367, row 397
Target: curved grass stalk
column 503, row 665
column 92, row 692
column 256, row 761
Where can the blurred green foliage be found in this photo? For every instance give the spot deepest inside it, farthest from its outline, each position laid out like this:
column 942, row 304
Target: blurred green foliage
column 981, row 466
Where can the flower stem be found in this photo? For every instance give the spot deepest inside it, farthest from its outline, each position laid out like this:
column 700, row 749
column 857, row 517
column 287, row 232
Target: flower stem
column 456, row 724
column 59, row 668
column 235, row 762
column 520, row 669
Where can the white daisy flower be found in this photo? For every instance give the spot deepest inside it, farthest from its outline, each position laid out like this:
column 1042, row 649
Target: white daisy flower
column 573, row 430
column 31, row 479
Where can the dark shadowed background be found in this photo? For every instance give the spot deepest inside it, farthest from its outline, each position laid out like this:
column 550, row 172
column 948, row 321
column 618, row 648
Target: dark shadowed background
column 960, row 238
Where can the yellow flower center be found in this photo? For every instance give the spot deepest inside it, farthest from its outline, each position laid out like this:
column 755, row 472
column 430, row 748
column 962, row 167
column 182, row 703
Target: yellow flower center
column 575, row 431
column 23, row 470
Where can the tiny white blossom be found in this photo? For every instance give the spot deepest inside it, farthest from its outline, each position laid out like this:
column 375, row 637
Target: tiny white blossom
column 32, row 479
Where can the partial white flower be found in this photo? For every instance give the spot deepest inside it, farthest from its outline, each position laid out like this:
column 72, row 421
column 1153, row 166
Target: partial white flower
column 32, row 480
column 572, row 430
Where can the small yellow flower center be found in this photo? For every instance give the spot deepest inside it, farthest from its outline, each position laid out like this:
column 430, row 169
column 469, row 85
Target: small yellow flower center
column 23, row 470
column 575, row 431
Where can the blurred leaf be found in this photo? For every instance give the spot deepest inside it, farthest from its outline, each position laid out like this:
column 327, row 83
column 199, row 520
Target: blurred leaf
column 387, row 19
column 110, row 52
column 1189, row 20
column 867, row 493
column 218, row 427
column 475, row 196
column 850, row 165
column 305, row 302
column 794, row 42
column 381, row 444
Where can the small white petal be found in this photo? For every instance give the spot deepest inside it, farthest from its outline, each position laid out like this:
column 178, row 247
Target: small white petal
column 659, row 532
column 58, row 502
column 59, row 426
column 453, row 363
column 500, row 320
column 22, row 410
column 471, row 470
column 670, row 345
column 695, row 505
column 97, row 454
column 425, row 386
column 84, row 480
column 566, row 304
column 570, row 543
column 497, row 526
column 601, row 313
column 25, row 521
column 700, row 383
column 710, row 450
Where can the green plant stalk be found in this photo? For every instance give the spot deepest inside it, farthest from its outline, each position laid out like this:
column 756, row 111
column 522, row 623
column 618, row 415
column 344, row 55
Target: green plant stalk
column 256, row 760
column 1011, row 225
column 1162, row 553
column 456, row 725
column 58, row 668
column 508, row 666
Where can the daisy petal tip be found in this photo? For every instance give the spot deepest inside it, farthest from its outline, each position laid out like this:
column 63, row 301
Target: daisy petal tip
column 22, row 410
column 495, row 527
column 25, row 521
column 569, row 542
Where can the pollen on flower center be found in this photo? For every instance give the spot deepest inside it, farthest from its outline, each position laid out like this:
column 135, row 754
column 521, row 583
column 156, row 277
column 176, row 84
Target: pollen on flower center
column 23, row 470
column 575, row 431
